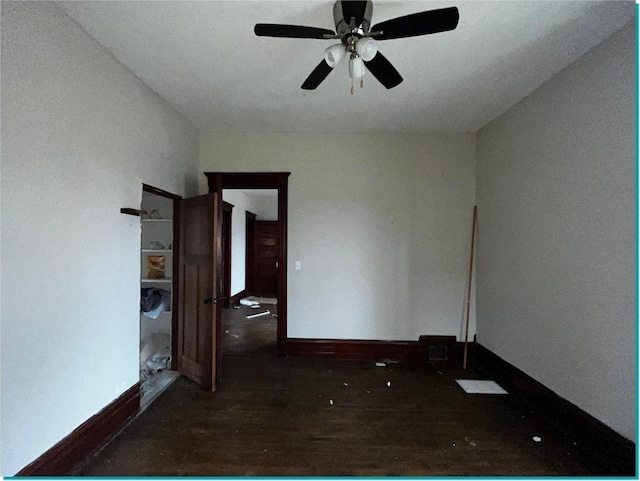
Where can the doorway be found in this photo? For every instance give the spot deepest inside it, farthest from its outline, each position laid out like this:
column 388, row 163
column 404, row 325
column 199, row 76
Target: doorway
column 251, row 248
column 278, row 181
column 157, row 288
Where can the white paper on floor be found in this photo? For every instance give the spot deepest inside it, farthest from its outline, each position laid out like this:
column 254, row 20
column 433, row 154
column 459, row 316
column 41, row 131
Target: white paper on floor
column 472, row 386
column 259, row 300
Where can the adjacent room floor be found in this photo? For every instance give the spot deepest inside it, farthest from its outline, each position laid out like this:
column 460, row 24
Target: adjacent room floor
column 315, row 417
column 249, row 337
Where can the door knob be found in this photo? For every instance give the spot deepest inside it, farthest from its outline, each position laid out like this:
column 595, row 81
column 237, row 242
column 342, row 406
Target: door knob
column 212, row 300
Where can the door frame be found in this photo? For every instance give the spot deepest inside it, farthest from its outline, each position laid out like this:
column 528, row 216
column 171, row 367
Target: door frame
column 263, row 180
column 175, row 276
column 227, row 219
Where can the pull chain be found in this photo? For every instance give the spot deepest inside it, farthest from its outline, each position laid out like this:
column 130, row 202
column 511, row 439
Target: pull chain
column 361, row 85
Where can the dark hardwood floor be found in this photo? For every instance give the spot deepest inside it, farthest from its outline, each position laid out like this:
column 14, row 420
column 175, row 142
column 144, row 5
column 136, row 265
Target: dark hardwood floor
column 249, row 337
column 315, row 417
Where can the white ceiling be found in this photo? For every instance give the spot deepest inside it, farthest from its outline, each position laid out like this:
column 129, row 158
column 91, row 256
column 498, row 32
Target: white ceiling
column 203, row 58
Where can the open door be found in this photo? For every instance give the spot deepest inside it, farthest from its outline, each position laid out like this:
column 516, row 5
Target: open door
column 265, row 256
column 198, row 288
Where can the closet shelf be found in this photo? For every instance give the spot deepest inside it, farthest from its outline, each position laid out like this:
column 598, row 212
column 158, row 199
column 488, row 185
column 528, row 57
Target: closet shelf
column 157, row 220
column 147, row 251
column 155, row 280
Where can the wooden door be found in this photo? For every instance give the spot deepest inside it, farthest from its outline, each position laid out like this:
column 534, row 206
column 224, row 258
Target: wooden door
column 265, row 258
column 197, row 310
column 227, row 212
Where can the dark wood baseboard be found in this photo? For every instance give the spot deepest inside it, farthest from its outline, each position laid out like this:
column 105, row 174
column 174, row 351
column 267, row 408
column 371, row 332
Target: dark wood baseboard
column 63, row 458
column 236, row 298
column 603, row 444
column 368, row 350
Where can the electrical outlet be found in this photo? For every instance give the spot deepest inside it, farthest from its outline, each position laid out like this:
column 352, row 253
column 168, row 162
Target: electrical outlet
column 298, row 266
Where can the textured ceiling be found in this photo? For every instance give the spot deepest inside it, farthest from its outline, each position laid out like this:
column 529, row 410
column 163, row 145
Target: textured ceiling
column 203, row 58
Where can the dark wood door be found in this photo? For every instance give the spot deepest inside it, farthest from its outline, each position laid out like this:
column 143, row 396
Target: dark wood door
column 227, row 212
column 197, row 290
column 265, row 272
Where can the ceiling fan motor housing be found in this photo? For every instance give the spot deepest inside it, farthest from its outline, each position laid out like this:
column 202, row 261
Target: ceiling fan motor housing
column 345, row 11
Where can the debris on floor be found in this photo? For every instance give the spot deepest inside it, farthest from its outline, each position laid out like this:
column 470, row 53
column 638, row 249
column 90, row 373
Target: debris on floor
column 155, row 356
column 346, row 384
column 388, row 383
column 472, row 386
column 537, row 439
column 331, row 401
column 248, row 302
column 259, row 300
column 470, row 441
column 265, row 313
column 381, row 364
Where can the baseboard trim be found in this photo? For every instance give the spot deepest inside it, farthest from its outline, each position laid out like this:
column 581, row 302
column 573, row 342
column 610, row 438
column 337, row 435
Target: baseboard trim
column 598, row 440
column 236, row 298
column 366, row 350
column 64, row 457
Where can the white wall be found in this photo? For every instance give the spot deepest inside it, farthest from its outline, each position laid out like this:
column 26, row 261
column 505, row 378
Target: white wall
column 380, row 223
column 556, row 263
column 265, row 207
column 80, row 134
column 241, row 205
column 264, row 203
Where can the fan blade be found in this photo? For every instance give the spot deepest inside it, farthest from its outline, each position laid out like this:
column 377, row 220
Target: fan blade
column 423, row 23
column 353, row 9
column 290, row 31
column 382, row 69
column 317, row 76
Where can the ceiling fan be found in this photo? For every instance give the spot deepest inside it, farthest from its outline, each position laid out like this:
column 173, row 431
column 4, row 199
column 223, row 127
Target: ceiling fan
column 357, row 37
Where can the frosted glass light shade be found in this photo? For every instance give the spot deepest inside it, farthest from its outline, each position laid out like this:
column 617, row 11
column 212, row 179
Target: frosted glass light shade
column 334, row 54
column 356, row 67
column 366, row 48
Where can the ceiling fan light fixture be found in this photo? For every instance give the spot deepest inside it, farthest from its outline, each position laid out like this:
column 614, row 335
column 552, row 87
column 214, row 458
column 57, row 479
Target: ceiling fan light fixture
column 352, row 19
column 333, row 55
column 356, row 67
column 366, row 48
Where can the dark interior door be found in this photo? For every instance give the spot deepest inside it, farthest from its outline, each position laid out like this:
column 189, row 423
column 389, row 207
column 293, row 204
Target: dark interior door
column 197, row 312
column 265, row 272
column 227, row 211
